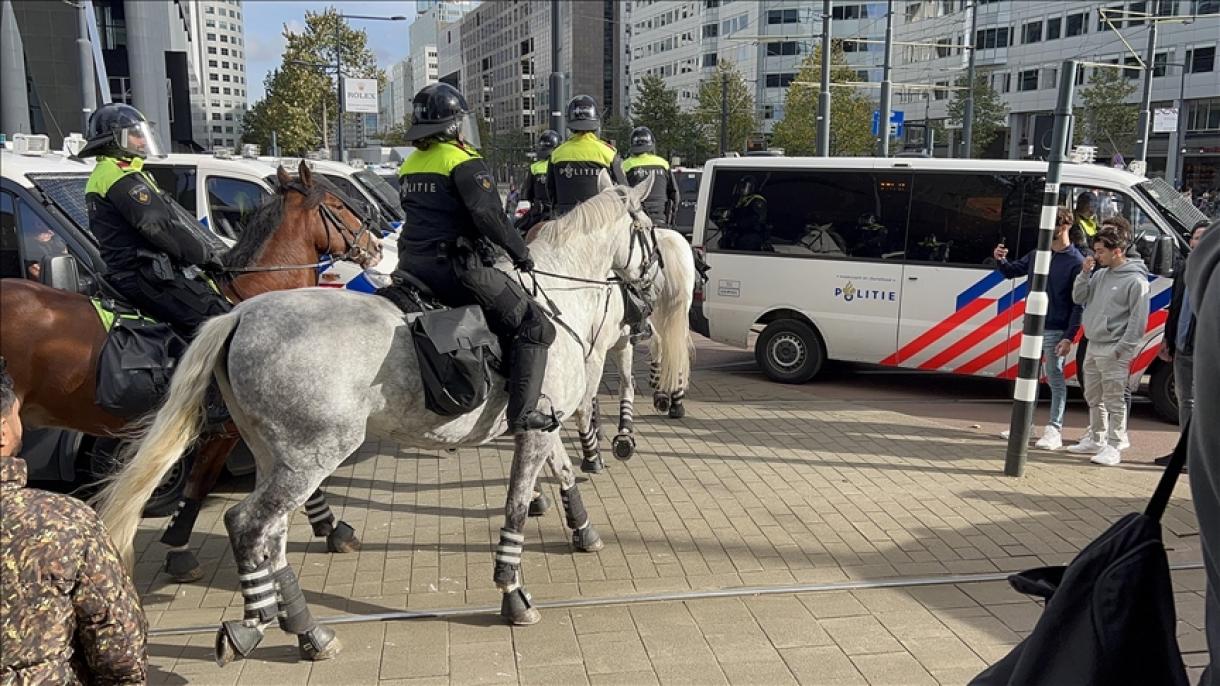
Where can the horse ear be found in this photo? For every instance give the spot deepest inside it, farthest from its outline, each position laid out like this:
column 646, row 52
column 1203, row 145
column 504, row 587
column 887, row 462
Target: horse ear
column 281, row 175
column 644, row 187
column 305, row 175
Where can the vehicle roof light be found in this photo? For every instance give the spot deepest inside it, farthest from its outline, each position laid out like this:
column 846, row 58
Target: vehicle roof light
column 250, row 151
column 73, row 144
column 1084, row 154
column 35, row 145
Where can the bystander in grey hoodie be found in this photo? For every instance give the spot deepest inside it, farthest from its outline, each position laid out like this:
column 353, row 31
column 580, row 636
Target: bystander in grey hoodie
column 1115, row 307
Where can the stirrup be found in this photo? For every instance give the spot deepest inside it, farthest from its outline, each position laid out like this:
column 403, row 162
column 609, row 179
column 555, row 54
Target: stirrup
column 537, row 420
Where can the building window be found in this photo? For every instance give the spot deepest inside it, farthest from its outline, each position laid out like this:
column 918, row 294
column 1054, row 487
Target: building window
column 1053, row 27
column 711, row 30
column 213, row 77
column 1027, row 80
column 942, row 90
column 212, row 63
column 1203, row 115
column 791, row 16
column 782, row 80
column 1031, row 33
column 217, row 129
column 851, row 12
column 1077, row 24
column 216, row 116
column 211, row 36
column 211, row 23
column 991, row 38
column 211, row 50
column 1160, row 64
column 788, row 47
column 1201, row 60
column 224, row 51
column 1052, row 77
column 709, row 59
column 210, row 10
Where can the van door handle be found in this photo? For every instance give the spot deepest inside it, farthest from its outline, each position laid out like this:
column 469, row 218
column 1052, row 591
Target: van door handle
column 912, row 278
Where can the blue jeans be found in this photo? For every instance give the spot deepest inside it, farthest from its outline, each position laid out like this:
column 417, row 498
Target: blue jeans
column 1052, row 365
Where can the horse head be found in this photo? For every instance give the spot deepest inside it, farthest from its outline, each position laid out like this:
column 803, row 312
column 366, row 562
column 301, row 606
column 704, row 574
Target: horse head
column 341, row 227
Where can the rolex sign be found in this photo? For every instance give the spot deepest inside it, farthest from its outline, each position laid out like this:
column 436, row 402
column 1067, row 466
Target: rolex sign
column 360, row 95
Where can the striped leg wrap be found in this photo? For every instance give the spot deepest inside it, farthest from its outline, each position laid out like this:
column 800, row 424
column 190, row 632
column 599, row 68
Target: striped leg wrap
column 320, row 516
column 508, row 558
column 258, row 592
column 293, row 614
column 588, row 442
column 678, row 395
column 574, row 508
column 182, row 523
column 626, row 415
column 654, row 374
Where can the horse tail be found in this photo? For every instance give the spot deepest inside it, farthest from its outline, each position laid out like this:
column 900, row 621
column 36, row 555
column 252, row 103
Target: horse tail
column 672, row 341
column 160, row 440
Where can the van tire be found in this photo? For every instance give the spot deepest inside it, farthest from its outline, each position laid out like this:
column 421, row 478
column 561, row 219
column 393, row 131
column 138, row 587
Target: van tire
column 1163, row 393
column 103, row 462
column 789, row 351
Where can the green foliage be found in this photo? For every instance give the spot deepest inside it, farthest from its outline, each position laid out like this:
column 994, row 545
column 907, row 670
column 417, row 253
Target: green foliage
column 657, row 108
column 742, row 118
column 617, row 131
column 1104, row 118
column 850, row 111
column 989, row 112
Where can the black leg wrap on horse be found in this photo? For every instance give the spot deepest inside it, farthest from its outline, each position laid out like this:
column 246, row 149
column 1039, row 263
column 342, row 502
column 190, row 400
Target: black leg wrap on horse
column 183, row 566
column 592, row 465
column 321, row 520
column 574, row 507
column 539, row 505
column 258, row 592
column 319, row 643
column 508, row 558
column 182, row 523
column 294, row 614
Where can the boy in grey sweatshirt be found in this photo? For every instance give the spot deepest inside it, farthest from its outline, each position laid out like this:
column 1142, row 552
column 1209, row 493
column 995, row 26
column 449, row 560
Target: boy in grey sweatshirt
column 1115, row 300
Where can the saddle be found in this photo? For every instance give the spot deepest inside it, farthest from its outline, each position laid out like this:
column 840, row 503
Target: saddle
column 458, row 353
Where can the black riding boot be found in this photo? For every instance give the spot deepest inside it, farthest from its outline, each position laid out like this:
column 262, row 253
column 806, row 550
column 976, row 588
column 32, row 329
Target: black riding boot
column 217, row 413
column 525, row 388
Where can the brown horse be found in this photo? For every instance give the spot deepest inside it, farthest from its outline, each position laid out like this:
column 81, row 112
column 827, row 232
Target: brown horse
column 53, row 338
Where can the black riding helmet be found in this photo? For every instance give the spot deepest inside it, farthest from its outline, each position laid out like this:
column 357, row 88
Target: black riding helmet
column 547, row 141
column 642, row 140
column 120, row 130
column 438, row 110
column 582, row 114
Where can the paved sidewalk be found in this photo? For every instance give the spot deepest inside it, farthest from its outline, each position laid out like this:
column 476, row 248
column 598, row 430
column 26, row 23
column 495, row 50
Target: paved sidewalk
column 762, row 485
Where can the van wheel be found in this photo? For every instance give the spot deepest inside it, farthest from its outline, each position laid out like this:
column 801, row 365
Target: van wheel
column 103, row 462
column 1164, row 394
column 789, row 351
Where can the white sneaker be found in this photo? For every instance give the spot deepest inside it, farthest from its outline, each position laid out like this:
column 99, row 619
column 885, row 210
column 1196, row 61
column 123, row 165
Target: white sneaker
column 1087, row 446
column 1051, row 439
column 1109, row 457
column 1124, row 445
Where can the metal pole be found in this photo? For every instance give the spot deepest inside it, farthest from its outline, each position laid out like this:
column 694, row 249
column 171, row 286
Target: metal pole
column 88, row 87
column 883, row 120
column 556, row 79
column 1025, row 394
column 339, row 81
column 724, row 113
column 824, row 95
column 1178, row 139
column 928, row 143
column 275, row 146
column 968, row 110
column 1145, row 126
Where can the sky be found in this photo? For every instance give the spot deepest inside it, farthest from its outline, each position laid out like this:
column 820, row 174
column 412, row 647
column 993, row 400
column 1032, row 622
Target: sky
column 265, row 21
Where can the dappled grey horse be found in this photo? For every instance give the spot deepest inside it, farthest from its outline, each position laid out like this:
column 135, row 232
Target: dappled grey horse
column 270, row 355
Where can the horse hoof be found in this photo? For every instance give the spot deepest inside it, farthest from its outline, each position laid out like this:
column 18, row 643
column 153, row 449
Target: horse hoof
column 661, row 402
column 517, row 608
column 319, row 643
column 587, row 540
column 539, row 505
column 592, row 465
column 235, row 640
column 343, row 539
column 677, row 411
column 182, row 566
column 623, row 446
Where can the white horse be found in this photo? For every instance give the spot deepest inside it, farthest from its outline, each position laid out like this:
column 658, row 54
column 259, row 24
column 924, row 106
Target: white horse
column 273, row 354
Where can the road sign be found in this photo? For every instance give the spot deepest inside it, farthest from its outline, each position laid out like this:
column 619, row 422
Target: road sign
column 1165, row 120
column 896, row 120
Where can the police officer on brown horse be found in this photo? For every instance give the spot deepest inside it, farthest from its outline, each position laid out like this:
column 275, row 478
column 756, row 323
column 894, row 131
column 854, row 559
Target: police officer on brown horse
column 452, row 213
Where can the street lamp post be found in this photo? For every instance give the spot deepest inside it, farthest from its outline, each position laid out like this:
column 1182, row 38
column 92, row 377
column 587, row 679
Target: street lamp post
column 338, row 67
column 1177, row 139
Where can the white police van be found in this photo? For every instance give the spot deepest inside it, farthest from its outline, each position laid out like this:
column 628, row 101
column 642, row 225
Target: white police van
column 888, row 260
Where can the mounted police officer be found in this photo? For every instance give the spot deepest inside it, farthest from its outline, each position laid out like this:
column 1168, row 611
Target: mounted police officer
column 662, row 200
column 151, row 246
column 452, row 212
column 746, row 226
column 584, row 164
column 535, row 184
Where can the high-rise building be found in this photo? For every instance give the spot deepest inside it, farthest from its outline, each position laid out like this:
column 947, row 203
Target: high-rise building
column 395, row 102
column 221, row 55
column 434, row 20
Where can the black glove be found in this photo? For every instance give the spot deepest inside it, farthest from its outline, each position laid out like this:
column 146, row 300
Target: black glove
column 214, row 264
column 525, row 264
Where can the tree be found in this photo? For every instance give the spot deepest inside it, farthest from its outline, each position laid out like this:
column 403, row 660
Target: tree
column 689, row 143
column 396, row 135
column 302, row 88
column 657, row 108
column 1105, row 119
column 989, row 112
column 617, row 130
column 742, row 119
column 850, row 111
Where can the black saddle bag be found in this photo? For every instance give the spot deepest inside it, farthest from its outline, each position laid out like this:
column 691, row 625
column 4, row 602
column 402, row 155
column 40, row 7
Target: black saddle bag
column 637, row 305
column 457, row 353
column 136, row 365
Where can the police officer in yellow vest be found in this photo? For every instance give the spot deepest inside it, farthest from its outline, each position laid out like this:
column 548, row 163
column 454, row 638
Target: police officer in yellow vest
column 662, row 200
column 148, row 242
column 535, row 191
column 452, row 207
column 584, row 164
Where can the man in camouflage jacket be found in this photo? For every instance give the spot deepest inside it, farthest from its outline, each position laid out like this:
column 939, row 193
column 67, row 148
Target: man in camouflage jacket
column 68, row 612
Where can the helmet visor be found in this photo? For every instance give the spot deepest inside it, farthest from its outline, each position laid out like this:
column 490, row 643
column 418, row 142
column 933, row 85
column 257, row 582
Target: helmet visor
column 139, row 140
column 470, row 131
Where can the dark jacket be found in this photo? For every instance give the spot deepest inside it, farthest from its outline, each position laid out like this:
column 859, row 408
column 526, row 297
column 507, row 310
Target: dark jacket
column 1170, row 339
column 1062, row 314
column 535, row 187
column 68, row 611
column 662, row 199
column 578, row 168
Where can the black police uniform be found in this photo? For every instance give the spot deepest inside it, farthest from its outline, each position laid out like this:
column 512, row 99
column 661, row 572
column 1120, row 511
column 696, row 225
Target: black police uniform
column 452, row 206
column 577, row 168
column 146, row 245
column 663, row 197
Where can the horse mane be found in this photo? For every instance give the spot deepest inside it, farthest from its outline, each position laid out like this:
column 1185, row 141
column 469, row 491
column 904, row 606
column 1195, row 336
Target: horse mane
column 587, row 217
column 266, row 220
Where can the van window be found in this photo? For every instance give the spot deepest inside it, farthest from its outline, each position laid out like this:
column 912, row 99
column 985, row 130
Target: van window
column 25, row 239
column 810, row 213
column 179, row 183
column 10, row 252
column 958, row 218
column 231, row 202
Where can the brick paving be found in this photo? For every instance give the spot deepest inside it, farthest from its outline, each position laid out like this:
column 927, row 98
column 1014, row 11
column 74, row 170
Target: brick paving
column 762, row 484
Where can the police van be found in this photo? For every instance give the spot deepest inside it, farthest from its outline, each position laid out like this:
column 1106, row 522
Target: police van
column 889, row 261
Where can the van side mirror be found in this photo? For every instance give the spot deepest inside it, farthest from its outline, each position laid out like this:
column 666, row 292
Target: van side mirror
column 1164, row 256
column 62, row 272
